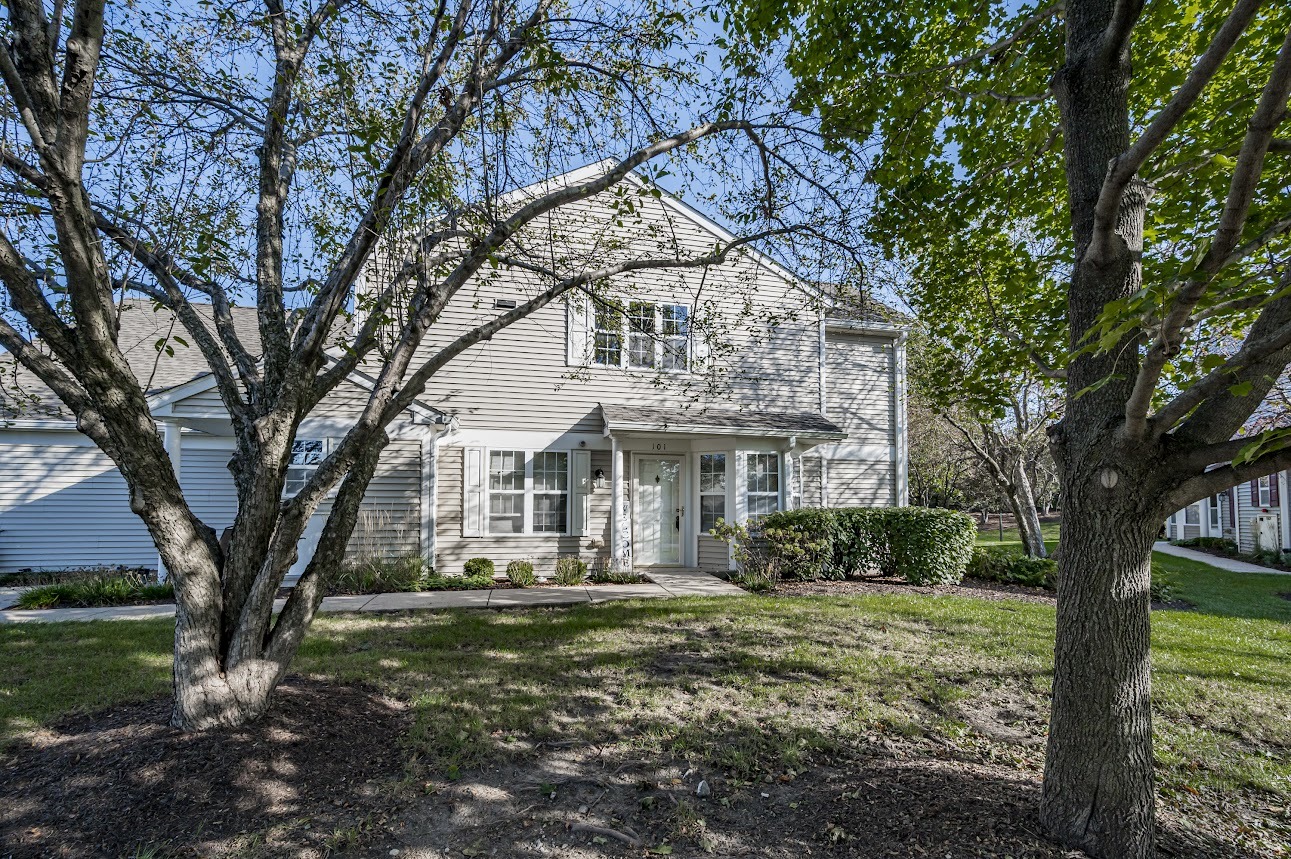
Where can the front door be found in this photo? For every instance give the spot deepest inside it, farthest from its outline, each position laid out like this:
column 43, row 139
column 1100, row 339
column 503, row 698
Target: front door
column 656, row 529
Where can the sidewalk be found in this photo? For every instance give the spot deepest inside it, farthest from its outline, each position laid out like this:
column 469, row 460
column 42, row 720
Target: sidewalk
column 663, row 584
column 1233, row 566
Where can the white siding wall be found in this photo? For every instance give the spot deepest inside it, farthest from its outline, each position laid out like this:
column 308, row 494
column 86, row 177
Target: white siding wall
column 63, row 504
column 1246, row 513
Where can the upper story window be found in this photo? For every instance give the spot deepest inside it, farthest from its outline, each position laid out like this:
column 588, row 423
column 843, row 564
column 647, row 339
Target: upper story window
column 763, row 484
column 712, row 490
column 528, row 492
column 1266, row 492
column 306, row 454
column 646, row 336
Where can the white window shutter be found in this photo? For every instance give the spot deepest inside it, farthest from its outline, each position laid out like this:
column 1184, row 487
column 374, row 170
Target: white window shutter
column 578, row 323
column 580, row 492
column 698, row 348
column 474, row 467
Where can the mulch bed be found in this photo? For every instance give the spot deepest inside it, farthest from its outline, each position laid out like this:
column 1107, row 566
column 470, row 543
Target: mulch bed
column 889, row 585
column 114, row 782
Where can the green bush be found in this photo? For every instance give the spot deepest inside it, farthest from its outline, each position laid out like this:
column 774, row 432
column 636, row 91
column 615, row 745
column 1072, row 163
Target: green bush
column 379, row 576
column 98, row 590
column 520, row 574
column 920, row 544
column 1163, row 588
column 478, row 567
column 570, row 570
column 603, row 574
column 1010, row 567
column 433, row 581
column 1219, row 544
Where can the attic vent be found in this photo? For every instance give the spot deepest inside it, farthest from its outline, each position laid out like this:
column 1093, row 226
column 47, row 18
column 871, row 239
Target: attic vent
column 504, row 304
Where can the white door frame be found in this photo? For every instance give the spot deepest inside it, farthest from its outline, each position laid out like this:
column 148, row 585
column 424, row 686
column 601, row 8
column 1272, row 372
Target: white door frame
column 683, row 497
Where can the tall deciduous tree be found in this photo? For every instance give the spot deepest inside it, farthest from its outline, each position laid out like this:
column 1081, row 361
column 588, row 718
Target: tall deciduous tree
column 237, row 153
column 1146, row 146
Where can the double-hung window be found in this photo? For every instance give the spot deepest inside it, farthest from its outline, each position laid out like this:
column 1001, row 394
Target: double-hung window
column 1216, row 513
column 528, row 492
column 550, row 492
column 762, row 484
column 306, row 454
column 1266, row 492
column 645, row 336
column 712, row 490
column 1191, row 515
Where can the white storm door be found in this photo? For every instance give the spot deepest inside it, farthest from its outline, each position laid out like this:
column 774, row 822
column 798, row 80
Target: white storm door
column 656, row 531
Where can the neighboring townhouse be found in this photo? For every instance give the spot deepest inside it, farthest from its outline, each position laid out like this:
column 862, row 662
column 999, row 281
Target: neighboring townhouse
column 619, row 429
column 1254, row 515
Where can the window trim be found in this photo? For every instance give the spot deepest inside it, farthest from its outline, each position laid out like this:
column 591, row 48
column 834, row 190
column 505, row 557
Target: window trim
column 1216, row 513
column 528, row 493
column 723, row 493
column 625, row 332
column 1264, row 491
column 1192, row 514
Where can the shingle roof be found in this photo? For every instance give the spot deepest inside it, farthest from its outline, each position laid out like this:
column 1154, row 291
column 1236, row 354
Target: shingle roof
column 143, row 327
column 716, row 421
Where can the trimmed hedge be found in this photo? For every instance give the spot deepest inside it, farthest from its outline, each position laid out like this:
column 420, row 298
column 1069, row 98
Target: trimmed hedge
column 478, row 567
column 1219, row 544
column 923, row 545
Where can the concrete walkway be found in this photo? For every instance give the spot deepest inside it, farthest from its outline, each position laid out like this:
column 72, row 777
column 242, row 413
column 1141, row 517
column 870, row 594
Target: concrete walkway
column 1230, row 564
column 663, row 584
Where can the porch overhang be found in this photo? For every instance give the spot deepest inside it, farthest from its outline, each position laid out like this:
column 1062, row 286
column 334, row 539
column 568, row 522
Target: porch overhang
column 811, row 428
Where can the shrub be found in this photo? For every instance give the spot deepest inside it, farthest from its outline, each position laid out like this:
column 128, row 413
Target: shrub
column 433, row 581
column 379, row 576
column 922, row 545
column 570, row 570
column 478, row 567
column 1219, row 544
column 98, row 590
column 1163, row 588
column 1010, row 567
column 520, row 574
column 603, row 574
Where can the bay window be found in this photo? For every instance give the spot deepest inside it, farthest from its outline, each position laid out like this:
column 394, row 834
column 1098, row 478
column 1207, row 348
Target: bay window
column 762, row 487
column 712, row 490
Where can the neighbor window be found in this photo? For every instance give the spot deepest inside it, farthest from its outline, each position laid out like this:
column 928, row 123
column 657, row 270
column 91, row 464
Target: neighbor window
column 306, row 454
column 712, row 490
column 528, row 492
column 762, row 484
column 1191, row 515
column 1216, row 514
column 645, row 336
column 1266, row 496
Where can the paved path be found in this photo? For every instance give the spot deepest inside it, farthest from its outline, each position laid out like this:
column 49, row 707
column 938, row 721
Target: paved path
column 9, row 596
column 670, row 583
column 1230, row 564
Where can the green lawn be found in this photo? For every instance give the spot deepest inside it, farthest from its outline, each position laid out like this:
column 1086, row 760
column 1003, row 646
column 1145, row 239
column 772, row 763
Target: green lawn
column 991, row 536
column 756, row 685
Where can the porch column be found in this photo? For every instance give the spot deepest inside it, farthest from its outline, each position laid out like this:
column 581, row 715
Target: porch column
column 429, row 493
column 1284, row 508
column 171, row 434
column 620, row 526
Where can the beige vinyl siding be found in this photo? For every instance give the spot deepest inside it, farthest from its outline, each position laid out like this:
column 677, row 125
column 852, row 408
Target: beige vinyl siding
column 811, row 472
column 208, row 484
column 857, row 483
column 520, row 379
column 453, row 550
column 713, row 554
column 63, row 504
column 389, row 523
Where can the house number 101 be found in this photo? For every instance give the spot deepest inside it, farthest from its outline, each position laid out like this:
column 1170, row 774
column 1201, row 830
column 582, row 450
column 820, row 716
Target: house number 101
column 661, row 446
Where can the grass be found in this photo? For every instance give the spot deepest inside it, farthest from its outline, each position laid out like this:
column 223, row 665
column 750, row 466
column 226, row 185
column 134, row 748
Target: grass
column 754, row 687
column 991, row 536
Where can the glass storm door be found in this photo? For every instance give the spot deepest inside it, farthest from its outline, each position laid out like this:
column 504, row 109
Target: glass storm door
column 657, row 529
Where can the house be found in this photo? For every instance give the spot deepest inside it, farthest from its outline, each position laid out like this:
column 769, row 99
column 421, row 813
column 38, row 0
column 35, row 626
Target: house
column 619, row 429
column 1254, row 515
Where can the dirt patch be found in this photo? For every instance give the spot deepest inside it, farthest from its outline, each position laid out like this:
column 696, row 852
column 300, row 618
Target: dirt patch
column 967, row 588
column 1286, row 595
column 312, row 773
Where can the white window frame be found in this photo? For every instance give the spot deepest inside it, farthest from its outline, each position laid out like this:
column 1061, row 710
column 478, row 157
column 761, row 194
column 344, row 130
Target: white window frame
column 1265, row 492
column 528, row 493
column 298, row 474
column 749, row 495
column 1192, row 515
column 713, row 493
column 659, row 340
column 1216, row 512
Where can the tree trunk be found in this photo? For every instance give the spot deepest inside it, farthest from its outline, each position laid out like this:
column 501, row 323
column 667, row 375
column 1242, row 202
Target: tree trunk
column 1028, row 519
column 1098, row 785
